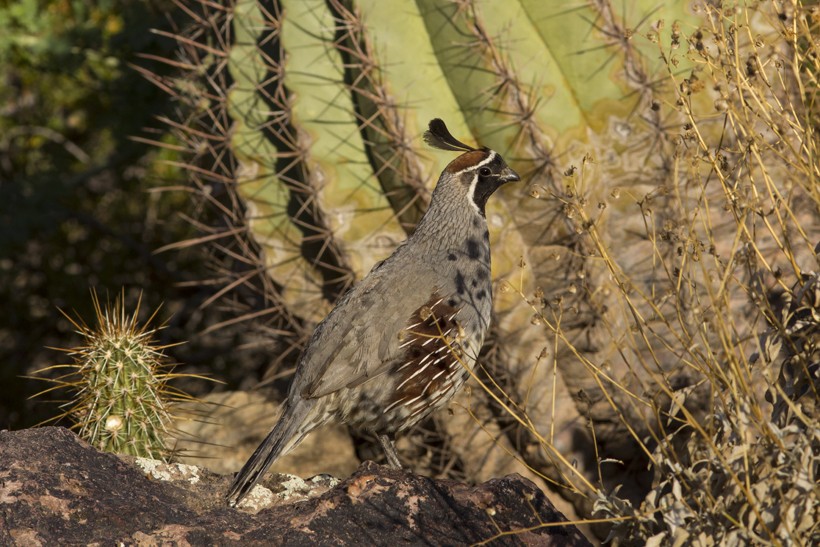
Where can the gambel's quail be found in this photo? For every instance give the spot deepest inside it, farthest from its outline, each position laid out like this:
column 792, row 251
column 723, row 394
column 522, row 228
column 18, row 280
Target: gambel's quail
column 402, row 341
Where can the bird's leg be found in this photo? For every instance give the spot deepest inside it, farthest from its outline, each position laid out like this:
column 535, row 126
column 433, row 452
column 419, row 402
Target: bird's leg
column 390, row 451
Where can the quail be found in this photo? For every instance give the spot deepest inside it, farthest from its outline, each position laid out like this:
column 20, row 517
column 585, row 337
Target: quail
column 403, row 340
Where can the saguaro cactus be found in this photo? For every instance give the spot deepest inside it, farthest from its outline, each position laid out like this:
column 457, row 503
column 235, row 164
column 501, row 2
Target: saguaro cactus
column 637, row 132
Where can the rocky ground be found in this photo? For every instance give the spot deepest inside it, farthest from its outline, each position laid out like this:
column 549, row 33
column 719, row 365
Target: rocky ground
column 55, row 489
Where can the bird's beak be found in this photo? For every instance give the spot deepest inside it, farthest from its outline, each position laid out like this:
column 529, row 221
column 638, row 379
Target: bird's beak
column 508, row 175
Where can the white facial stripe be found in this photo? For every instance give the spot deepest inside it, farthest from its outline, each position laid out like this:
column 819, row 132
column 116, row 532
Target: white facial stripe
column 481, row 164
column 471, row 193
column 474, row 182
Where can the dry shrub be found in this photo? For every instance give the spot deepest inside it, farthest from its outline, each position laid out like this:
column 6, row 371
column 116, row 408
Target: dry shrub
column 730, row 431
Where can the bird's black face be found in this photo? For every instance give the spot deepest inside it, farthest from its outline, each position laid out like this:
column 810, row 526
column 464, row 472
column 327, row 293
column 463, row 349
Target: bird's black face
column 487, row 176
column 481, row 171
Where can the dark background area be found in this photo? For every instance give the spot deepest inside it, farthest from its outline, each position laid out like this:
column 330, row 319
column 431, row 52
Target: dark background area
column 84, row 205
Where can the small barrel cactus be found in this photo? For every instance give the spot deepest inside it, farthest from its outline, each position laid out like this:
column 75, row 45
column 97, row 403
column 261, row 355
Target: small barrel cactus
column 119, row 399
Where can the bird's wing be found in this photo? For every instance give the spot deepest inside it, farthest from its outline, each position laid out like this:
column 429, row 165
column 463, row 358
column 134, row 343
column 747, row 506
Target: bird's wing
column 361, row 336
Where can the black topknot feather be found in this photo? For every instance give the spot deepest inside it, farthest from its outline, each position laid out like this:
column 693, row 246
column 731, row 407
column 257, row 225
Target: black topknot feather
column 438, row 136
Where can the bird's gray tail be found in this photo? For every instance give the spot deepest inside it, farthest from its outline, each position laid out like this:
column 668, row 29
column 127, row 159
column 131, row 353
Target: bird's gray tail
column 286, row 434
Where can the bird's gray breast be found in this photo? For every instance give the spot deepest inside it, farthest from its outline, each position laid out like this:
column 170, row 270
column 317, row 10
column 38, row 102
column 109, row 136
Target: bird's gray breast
column 465, row 274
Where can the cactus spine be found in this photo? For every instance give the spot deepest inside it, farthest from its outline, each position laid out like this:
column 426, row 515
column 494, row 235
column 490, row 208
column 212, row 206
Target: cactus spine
column 120, row 400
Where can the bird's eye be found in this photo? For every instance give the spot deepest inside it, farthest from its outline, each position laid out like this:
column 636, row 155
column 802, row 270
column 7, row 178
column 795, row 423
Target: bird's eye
column 484, row 172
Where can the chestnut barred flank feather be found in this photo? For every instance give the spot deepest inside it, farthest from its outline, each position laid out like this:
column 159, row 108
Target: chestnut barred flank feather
column 431, row 364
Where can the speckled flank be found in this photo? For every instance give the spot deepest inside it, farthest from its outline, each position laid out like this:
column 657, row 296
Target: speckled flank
column 431, row 370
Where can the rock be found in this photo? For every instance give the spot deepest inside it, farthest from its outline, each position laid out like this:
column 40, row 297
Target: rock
column 55, row 489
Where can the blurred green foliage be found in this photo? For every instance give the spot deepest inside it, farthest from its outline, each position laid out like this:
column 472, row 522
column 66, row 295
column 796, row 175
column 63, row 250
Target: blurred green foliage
column 68, row 91
column 77, row 210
